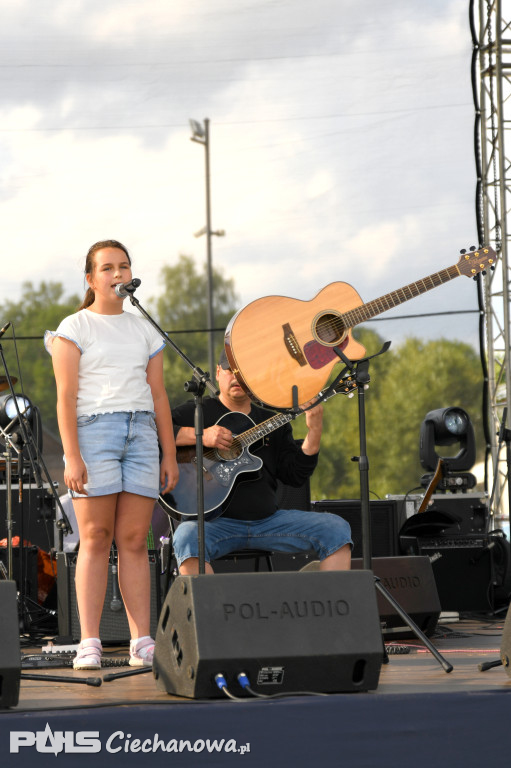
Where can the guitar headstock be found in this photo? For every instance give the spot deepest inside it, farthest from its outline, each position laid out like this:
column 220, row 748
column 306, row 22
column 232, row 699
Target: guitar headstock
column 346, row 386
column 474, row 261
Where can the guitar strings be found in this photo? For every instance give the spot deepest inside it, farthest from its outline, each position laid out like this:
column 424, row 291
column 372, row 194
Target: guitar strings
column 388, row 301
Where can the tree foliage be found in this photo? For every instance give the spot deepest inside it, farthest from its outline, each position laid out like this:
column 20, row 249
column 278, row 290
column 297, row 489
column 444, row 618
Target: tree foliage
column 182, row 310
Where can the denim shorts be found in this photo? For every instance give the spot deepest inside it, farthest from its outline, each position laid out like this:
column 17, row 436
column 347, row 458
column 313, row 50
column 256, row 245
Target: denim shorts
column 287, row 530
column 121, row 453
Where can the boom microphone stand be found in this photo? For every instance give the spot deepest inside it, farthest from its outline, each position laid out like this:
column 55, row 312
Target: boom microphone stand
column 360, row 370
column 197, row 385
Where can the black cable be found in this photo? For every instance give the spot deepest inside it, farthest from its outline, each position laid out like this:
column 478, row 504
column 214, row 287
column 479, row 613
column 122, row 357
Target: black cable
column 245, row 684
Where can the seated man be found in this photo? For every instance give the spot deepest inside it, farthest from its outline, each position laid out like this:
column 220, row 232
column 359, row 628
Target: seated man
column 250, row 518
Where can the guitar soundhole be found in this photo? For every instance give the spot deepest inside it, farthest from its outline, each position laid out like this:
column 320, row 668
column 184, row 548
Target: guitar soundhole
column 329, row 329
column 229, row 454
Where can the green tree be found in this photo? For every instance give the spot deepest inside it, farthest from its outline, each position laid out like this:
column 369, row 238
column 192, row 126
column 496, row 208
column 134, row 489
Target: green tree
column 182, row 310
column 39, row 309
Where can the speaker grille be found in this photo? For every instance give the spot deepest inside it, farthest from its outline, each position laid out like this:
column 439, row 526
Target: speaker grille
column 114, row 626
column 385, row 523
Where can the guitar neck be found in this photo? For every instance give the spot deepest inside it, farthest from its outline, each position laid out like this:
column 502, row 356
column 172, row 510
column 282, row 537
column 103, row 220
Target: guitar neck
column 378, row 306
column 259, row 431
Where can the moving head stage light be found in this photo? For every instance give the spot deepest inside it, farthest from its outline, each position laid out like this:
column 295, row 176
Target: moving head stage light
column 448, row 427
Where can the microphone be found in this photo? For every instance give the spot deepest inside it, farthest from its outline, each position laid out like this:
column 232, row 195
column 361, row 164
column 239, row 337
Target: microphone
column 125, row 289
column 6, row 326
column 116, row 602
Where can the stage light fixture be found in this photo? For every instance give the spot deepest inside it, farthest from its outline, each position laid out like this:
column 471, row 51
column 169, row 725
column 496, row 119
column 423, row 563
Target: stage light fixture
column 8, row 412
column 448, row 427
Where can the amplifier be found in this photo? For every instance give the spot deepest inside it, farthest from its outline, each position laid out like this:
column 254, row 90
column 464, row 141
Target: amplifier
column 386, row 519
column 469, row 511
column 114, row 628
column 462, row 566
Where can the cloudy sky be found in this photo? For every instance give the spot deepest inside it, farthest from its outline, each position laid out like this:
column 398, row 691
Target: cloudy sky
column 341, row 144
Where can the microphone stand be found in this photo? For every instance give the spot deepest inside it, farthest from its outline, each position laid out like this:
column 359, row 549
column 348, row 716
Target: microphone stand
column 197, row 385
column 360, row 370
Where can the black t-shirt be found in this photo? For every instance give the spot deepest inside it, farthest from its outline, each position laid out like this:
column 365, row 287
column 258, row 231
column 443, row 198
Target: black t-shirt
column 254, row 493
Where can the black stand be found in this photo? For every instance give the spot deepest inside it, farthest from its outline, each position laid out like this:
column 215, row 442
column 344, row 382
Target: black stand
column 362, row 378
column 197, row 385
column 36, row 461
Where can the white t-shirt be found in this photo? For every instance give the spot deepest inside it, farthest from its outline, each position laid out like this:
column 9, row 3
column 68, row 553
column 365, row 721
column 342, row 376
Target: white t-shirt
column 115, row 351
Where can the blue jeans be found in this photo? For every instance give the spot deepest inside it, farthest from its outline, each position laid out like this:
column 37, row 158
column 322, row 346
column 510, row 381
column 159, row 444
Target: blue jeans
column 288, row 530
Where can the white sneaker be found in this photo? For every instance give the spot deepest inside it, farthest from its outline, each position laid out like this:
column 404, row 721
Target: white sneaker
column 88, row 655
column 142, row 652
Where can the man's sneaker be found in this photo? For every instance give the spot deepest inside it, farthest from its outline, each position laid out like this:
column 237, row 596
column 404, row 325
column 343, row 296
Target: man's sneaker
column 142, row 652
column 88, row 655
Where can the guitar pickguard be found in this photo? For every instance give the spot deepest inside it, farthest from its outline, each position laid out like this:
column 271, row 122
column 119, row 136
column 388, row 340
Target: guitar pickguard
column 318, row 355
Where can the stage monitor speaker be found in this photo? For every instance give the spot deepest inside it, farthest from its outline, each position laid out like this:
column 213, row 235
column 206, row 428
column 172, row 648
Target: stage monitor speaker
column 505, row 647
column 114, row 628
column 385, row 518
column 410, row 581
column 462, row 567
column 10, row 655
column 288, row 632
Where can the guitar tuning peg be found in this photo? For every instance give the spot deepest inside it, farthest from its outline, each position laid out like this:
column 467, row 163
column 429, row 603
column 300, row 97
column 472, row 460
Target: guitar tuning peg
column 472, row 247
column 463, row 250
column 351, row 394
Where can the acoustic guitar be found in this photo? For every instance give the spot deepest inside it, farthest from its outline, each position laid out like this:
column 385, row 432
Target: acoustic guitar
column 282, row 350
column 222, row 467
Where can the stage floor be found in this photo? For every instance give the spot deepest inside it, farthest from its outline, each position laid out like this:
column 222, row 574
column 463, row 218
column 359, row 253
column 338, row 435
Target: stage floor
column 418, row 715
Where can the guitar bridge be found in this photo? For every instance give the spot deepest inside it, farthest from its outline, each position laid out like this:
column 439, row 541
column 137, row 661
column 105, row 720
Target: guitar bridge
column 292, row 345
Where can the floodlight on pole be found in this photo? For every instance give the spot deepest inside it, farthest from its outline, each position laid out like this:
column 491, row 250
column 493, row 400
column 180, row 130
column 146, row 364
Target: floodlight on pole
column 200, row 134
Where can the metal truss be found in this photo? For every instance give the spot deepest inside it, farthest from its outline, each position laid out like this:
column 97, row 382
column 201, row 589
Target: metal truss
column 491, row 77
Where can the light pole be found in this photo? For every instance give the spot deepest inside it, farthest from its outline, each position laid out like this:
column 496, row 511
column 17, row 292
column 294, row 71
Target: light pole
column 200, row 134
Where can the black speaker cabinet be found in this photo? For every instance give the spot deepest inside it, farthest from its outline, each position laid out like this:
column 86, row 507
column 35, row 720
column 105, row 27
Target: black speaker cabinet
column 33, row 517
column 505, row 646
column 10, row 655
column 410, row 581
column 114, row 628
column 385, row 516
column 24, row 569
column 470, row 512
column 287, row 631
column 462, row 567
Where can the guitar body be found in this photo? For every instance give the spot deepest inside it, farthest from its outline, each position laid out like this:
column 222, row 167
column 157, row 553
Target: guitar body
column 277, row 342
column 220, row 470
